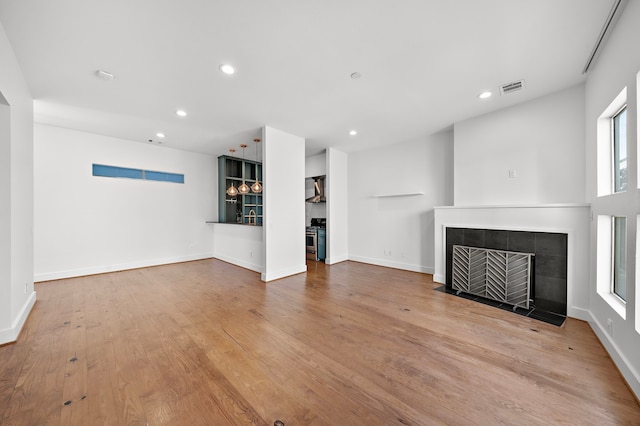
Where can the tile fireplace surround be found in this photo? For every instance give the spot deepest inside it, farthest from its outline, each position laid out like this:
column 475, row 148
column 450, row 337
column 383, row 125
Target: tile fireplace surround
column 549, row 272
column 560, row 231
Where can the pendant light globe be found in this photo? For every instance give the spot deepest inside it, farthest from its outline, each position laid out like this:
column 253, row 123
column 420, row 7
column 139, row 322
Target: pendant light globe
column 232, row 191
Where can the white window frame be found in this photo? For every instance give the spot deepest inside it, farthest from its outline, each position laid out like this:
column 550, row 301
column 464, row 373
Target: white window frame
column 605, row 144
column 613, row 256
column 613, row 151
column 604, row 268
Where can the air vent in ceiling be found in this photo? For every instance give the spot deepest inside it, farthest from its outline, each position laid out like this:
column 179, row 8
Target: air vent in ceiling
column 505, row 89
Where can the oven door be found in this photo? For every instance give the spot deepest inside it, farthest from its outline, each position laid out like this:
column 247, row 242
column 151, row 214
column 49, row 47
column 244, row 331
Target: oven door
column 312, row 245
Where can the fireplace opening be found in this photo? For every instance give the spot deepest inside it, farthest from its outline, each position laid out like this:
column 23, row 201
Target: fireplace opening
column 548, row 277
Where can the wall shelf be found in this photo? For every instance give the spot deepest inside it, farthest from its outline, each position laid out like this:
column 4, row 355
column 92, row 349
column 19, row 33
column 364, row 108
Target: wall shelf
column 398, row 194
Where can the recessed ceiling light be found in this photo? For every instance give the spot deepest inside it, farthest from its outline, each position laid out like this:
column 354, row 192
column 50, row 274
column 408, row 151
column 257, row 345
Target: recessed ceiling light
column 356, row 75
column 484, row 95
column 227, row 69
column 353, row 132
column 160, row 135
column 105, row 75
column 181, row 113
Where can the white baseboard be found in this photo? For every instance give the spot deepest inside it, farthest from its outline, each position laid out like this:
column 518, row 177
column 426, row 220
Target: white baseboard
column 284, row 273
column 395, row 265
column 579, row 313
column 239, row 262
column 336, row 259
column 11, row 334
column 101, row 269
column 626, row 369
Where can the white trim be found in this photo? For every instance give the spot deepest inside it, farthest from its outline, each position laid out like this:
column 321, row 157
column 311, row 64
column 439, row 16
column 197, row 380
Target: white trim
column 395, row 265
column 72, row 273
column 578, row 313
column 9, row 335
column 239, row 262
column 283, row 273
column 518, row 206
column 336, row 259
column 626, row 369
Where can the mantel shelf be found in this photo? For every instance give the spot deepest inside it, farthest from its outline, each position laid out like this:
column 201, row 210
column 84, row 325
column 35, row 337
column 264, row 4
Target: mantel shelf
column 398, row 194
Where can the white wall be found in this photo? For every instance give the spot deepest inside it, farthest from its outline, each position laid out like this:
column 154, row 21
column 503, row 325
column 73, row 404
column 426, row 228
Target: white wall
column 16, row 196
column 337, row 207
column 284, row 211
column 401, row 226
column 617, row 67
column 541, row 140
column 241, row 245
column 86, row 224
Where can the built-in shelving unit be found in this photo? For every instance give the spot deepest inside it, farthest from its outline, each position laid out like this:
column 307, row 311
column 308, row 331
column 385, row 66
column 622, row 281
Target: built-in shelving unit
column 243, row 209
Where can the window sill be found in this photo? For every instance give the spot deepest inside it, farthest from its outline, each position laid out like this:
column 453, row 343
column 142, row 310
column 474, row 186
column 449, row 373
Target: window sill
column 618, row 305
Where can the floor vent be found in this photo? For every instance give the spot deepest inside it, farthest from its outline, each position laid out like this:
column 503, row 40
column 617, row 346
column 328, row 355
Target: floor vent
column 511, row 87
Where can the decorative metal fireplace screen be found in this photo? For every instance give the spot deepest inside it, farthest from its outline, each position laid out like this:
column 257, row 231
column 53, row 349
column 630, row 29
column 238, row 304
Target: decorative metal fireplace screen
column 495, row 274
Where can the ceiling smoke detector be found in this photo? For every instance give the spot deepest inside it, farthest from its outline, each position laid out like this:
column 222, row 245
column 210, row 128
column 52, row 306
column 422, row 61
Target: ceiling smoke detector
column 514, row 86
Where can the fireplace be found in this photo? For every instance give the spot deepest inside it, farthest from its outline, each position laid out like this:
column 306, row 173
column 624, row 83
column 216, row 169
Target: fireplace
column 548, row 289
column 560, row 236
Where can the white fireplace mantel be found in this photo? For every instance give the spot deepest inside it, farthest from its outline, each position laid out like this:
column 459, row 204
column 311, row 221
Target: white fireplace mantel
column 571, row 219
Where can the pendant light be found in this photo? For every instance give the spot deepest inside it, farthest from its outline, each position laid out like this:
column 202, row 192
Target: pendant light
column 232, row 190
column 256, row 187
column 244, row 188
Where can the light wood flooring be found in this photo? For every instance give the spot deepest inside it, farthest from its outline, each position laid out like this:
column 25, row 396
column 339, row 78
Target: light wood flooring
column 207, row 343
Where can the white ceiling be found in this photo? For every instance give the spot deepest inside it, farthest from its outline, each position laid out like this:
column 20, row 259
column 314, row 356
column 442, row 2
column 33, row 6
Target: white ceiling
column 423, row 62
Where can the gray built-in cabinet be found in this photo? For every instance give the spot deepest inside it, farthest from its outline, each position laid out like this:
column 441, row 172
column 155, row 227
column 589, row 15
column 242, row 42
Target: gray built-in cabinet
column 244, row 209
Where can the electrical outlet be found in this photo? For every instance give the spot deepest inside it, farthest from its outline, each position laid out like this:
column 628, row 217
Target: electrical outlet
column 387, row 252
column 610, row 326
column 513, row 174
column 25, row 287
column 251, row 255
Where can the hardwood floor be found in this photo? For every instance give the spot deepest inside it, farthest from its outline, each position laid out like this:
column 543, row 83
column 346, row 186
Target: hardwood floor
column 207, row 343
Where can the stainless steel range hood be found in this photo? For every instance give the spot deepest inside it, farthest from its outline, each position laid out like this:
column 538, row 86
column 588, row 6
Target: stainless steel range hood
column 318, row 186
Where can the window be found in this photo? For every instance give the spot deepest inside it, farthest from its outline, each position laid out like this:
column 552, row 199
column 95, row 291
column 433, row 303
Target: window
column 619, row 256
column 124, row 172
column 611, row 262
column 611, row 147
column 619, row 126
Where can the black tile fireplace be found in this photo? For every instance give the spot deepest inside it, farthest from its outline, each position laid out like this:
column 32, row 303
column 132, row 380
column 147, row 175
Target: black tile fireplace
column 549, row 280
